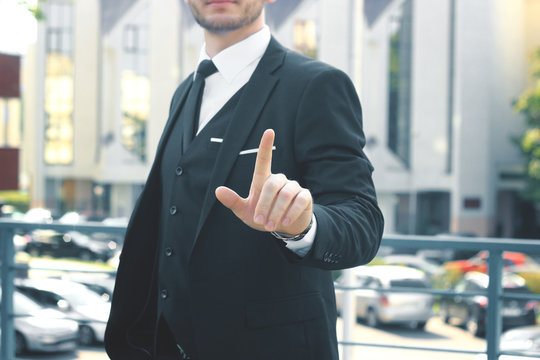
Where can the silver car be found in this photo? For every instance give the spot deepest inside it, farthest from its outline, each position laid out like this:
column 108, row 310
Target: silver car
column 377, row 306
column 40, row 329
column 75, row 301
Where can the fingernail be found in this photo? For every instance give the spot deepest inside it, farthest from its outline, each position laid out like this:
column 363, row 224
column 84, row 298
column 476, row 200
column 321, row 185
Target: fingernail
column 286, row 221
column 259, row 219
column 270, row 226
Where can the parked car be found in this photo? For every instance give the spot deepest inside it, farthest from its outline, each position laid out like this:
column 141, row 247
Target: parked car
column 479, row 262
column 105, row 236
column 38, row 215
column 71, row 244
column 414, row 261
column 470, row 311
column 73, row 299
column 522, row 341
column 72, row 217
column 103, row 286
column 20, row 241
column 378, row 307
column 41, row 329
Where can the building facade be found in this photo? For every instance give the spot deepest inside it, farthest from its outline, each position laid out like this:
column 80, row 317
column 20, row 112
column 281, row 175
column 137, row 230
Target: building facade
column 103, row 74
column 438, row 83
column 436, row 80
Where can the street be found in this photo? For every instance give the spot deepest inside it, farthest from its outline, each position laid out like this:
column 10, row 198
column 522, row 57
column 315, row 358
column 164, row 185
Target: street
column 436, row 335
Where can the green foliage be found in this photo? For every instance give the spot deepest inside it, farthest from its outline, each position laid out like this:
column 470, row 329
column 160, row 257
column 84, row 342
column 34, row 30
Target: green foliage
column 448, row 279
column 528, row 104
column 532, row 280
column 20, row 200
column 35, row 8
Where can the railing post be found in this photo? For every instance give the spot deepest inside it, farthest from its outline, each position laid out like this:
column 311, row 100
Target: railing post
column 494, row 317
column 7, row 350
column 348, row 314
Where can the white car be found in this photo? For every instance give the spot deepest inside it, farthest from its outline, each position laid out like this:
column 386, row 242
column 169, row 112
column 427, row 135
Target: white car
column 377, row 306
column 38, row 215
column 40, row 329
column 75, row 300
column 523, row 341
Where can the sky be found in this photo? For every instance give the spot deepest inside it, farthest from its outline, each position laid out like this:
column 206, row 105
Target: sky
column 18, row 28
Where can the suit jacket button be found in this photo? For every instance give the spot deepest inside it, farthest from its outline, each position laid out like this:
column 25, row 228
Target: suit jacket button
column 168, row 251
column 179, row 171
column 173, row 210
column 164, row 294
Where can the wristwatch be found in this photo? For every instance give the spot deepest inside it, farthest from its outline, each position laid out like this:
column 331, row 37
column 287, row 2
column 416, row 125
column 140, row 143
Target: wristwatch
column 295, row 237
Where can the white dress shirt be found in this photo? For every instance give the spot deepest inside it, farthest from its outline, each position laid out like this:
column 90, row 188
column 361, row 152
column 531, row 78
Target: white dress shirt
column 235, row 66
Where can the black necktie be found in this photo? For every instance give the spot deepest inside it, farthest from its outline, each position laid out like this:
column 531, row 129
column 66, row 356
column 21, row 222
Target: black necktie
column 193, row 102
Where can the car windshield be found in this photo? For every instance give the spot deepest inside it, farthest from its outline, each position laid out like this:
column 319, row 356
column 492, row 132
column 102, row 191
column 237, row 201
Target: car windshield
column 80, row 296
column 23, row 305
column 412, row 283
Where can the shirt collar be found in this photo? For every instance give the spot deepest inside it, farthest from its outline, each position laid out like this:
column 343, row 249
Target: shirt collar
column 232, row 60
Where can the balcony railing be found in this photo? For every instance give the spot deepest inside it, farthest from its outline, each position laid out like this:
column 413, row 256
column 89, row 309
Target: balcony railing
column 495, row 294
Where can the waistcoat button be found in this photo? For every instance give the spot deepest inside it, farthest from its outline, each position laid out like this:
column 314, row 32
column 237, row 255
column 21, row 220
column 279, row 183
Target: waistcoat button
column 164, row 294
column 173, row 210
column 168, row 251
column 179, row 171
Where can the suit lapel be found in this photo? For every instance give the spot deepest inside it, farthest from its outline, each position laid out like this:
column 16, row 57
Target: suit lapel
column 176, row 106
column 177, row 102
column 254, row 97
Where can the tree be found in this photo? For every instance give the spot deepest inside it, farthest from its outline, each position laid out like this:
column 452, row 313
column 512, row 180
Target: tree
column 528, row 104
column 35, row 7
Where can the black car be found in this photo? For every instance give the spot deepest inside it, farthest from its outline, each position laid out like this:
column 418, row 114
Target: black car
column 470, row 311
column 71, row 244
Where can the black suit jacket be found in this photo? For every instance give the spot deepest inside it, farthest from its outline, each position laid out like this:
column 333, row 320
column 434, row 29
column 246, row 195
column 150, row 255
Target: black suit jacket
column 253, row 298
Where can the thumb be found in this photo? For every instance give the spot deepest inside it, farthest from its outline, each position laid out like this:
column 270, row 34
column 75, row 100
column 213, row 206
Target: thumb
column 230, row 199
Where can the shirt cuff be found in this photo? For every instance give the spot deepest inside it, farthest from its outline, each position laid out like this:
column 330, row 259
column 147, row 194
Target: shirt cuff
column 301, row 247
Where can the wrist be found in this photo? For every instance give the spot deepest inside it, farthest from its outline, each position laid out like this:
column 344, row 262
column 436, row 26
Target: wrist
column 289, row 237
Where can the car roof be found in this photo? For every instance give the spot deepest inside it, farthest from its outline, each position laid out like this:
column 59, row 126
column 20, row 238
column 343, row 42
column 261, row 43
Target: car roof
column 52, row 285
column 390, row 272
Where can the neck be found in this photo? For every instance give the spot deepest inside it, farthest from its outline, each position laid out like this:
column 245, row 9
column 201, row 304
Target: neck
column 216, row 42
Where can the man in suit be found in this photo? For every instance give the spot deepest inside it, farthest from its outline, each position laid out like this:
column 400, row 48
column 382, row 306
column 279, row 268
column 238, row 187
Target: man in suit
column 258, row 189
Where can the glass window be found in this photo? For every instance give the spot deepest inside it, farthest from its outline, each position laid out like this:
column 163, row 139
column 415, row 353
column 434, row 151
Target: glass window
column 59, row 84
column 305, row 38
column 399, row 96
column 135, row 85
column 10, row 122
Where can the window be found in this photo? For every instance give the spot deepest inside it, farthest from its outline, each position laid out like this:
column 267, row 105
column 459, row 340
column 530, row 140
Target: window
column 399, row 96
column 10, row 122
column 135, row 85
column 59, row 73
column 305, row 38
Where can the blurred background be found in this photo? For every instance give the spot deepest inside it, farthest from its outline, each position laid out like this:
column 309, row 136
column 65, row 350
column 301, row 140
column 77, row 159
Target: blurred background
column 450, row 91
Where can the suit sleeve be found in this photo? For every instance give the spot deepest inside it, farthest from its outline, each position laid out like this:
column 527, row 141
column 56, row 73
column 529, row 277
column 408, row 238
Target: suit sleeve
column 328, row 150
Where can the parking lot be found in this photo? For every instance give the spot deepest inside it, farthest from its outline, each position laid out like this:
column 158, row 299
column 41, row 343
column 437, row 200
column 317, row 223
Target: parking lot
column 436, row 335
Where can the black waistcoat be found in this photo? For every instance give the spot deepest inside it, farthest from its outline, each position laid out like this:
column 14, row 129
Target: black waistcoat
column 184, row 181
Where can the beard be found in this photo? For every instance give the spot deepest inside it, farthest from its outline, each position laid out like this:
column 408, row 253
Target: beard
column 250, row 12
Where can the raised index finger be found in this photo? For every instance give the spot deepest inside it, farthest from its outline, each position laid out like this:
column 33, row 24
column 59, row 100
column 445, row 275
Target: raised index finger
column 263, row 163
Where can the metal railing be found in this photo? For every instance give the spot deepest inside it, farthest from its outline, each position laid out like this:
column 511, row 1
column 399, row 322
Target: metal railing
column 495, row 246
column 495, row 294
column 8, row 229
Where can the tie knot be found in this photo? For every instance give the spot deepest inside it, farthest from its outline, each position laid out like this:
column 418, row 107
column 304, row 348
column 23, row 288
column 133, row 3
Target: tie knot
column 206, row 68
